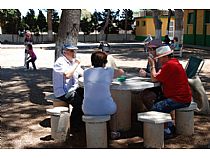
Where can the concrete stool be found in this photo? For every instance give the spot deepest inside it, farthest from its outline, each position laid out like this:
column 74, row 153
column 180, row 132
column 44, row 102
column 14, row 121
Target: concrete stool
column 154, row 128
column 96, row 130
column 60, row 122
column 184, row 119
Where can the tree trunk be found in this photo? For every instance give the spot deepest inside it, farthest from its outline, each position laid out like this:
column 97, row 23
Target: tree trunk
column 126, row 23
column 179, row 18
column 157, row 23
column 68, row 29
column 49, row 24
column 169, row 19
column 105, row 26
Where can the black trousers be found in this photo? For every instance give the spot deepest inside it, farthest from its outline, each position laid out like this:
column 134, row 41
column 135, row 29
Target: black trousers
column 75, row 99
column 33, row 63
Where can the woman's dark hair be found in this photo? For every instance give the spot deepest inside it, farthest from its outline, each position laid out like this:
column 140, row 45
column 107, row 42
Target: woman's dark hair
column 29, row 46
column 98, row 59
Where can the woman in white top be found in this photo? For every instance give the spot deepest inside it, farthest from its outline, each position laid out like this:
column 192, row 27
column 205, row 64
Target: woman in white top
column 97, row 81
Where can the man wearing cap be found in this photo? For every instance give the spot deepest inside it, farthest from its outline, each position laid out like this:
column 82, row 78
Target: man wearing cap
column 173, row 79
column 66, row 72
column 151, row 50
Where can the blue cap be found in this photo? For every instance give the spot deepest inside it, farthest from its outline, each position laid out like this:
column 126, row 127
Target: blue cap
column 68, row 46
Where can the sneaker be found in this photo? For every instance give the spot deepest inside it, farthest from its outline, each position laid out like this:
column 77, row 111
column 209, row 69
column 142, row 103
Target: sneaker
column 172, row 129
column 115, row 135
column 167, row 133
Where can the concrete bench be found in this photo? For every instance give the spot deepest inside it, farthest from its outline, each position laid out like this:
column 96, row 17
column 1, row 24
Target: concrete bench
column 60, row 122
column 96, row 130
column 184, row 119
column 56, row 102
column 153, row 132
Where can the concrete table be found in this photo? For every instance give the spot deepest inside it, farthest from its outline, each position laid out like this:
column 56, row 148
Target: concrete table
column 121, row 93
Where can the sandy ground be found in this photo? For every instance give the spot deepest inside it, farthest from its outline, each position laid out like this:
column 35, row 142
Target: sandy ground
column 25, row 124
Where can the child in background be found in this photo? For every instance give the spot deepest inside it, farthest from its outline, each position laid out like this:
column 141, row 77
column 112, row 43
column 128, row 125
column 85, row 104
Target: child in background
column 175, row 44
column 31, row 58
column 27, row 40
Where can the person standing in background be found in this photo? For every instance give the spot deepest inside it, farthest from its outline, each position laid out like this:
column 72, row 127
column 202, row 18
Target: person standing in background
column 27, row 40
column 31, row 58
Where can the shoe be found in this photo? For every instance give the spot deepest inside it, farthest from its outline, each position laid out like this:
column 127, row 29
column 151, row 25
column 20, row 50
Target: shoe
column 115, row 135
column 168, row 134
column 172, row 129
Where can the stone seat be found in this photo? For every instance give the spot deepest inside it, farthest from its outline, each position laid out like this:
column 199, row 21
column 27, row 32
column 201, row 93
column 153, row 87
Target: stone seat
column 60, row 122
column 185, row 119
column 153, row 128
column 96, row 130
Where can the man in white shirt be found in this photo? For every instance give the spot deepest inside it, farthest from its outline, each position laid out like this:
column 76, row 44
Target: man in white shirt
column 66, row 72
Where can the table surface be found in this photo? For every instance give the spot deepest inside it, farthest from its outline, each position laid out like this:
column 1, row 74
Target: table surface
column 133, row 83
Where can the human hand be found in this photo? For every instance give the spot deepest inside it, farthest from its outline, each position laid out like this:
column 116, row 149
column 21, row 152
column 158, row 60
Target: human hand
column 142, row 73
column 77, row 60
column 151, row 62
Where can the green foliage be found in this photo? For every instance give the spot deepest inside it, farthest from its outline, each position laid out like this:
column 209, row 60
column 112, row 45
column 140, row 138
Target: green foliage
column 113, row 21
column 30, row 21
column 86, row 26
column 10, row 20
column 130, row 19
column 41, row 22
column 55, row 21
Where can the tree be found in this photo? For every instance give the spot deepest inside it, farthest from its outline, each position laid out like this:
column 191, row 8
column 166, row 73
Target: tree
column 179, row 18
column 157, row 23
column 95, row 21
column 41, row 21
column 55, row 21
column 68, row 29
column 106, row 23
column 127, row 15
column 10, row 20
column 30, row 20
column 108, row 20
column 49, row 24
column 127, row 21
column 86, row 24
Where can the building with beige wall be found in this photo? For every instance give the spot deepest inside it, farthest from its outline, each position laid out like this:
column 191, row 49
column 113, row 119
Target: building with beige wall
column 197, row 27
column 145, row 25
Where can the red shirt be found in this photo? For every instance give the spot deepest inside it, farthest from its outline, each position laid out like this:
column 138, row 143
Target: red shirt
column 175, row 82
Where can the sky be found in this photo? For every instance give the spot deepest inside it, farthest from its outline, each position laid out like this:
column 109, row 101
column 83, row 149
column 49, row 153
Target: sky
column 101, row 4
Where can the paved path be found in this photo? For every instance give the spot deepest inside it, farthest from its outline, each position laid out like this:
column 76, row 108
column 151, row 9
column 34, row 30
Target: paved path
column 126, row 54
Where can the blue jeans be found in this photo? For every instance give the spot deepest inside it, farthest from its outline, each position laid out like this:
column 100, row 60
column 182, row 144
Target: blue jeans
column 168, row 105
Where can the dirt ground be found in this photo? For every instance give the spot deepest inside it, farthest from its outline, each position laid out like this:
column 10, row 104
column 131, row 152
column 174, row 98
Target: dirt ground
column 25, row 124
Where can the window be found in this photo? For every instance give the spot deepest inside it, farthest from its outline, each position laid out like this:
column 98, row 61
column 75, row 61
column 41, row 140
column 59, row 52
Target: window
column 143, row 23
column 171, row 29
column 207, row 20
column 190, row 18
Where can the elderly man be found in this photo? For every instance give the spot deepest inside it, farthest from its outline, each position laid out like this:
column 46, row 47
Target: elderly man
column 66, row 72
column 173, row 79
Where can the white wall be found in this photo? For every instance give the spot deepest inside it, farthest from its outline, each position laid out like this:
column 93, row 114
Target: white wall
column 82, row 38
